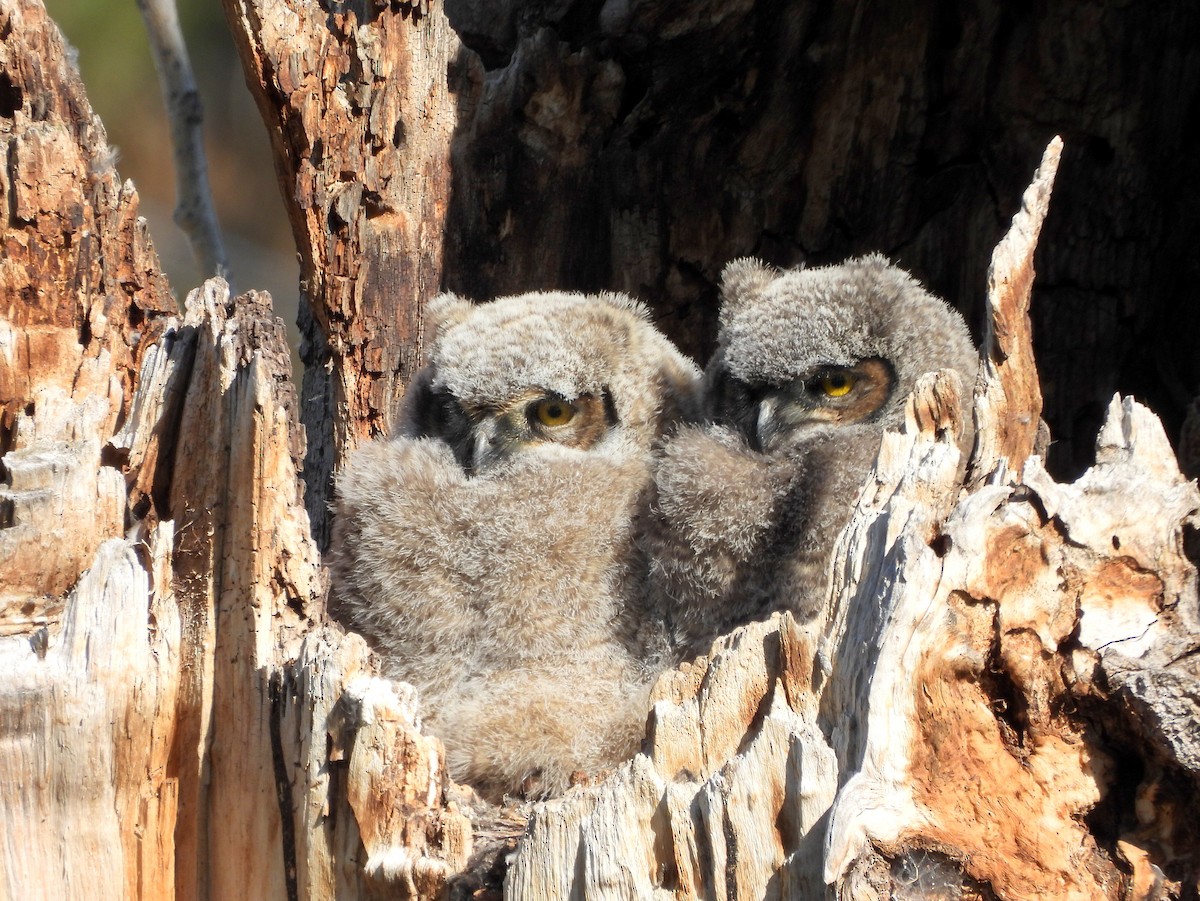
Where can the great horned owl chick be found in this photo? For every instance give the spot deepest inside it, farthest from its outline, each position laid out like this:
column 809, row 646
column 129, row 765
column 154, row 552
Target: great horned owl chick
column 812, row 366
column 487, row 551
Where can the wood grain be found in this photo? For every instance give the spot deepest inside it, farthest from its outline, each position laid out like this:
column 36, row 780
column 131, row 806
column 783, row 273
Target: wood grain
column 997, row 701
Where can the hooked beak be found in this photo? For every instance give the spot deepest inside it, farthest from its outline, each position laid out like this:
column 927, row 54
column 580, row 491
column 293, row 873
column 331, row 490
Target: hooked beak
column 492, row 442
column 482, row 448
column 766, row 427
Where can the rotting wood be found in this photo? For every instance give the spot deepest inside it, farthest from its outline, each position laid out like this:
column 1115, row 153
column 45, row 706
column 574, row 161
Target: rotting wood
column 1037, row 635
column 81, row 300
column 248, row 582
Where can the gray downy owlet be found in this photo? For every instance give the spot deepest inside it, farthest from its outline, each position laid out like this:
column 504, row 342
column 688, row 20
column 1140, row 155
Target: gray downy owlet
column 487, row 550
column 812, row 366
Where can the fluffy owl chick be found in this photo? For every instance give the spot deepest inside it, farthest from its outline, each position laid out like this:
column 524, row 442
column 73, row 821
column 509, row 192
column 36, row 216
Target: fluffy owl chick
column 812, row 366
column 487, row 551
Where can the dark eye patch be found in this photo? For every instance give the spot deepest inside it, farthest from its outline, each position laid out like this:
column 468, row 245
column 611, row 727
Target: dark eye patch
column 439, row 415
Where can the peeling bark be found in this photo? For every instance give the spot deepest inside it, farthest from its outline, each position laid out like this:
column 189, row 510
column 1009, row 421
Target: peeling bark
column 999, row 700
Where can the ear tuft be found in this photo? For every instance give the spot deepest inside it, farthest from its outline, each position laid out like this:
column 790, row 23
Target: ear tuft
column 743, row 280
column 446, row 310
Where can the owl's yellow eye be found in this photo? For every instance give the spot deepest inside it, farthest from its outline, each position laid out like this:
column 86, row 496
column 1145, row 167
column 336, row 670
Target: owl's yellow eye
column 553, row 411
column 837, row 384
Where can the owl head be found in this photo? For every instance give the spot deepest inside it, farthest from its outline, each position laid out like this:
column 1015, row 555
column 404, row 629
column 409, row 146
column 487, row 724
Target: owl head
column 546, row 370
column 815, row 349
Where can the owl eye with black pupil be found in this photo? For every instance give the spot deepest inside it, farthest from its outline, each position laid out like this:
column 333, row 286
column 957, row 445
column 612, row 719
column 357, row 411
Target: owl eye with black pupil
column 836, row 384
column 552, row 411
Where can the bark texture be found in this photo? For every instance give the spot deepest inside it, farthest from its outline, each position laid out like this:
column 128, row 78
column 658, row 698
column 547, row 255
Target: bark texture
column 83, row 303
column 998, row 702
column 357, row 100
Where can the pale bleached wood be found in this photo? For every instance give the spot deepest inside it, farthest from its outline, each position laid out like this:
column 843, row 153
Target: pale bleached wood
column 146, row 438
column 90, row 646
column 246, row 579
column 395, row 782
column 1141, row 611
column 70, row 702
column 1065, row 596
column 367, row 787
column 271, row 819
column 1009, row 396
column 326, row 838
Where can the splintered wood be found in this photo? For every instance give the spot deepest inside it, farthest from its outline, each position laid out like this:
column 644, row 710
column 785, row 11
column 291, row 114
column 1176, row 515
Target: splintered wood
column 81, row 300
column 1008, row 403
column 995, row 703
column 202, row 635
column 997, row 699
column 86, row 812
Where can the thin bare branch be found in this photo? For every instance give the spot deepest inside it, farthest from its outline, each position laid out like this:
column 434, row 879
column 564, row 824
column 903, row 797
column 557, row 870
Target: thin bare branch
column 194, row 209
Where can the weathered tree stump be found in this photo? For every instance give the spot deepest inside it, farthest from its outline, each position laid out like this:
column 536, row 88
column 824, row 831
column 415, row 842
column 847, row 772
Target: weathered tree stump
column 998, row 702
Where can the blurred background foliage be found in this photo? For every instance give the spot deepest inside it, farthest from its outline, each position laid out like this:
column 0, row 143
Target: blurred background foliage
column 118, row 72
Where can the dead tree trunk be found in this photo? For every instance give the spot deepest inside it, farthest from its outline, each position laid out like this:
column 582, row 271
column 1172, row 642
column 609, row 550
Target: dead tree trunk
column 169, row 680
column 360, row 113
column 999, row 702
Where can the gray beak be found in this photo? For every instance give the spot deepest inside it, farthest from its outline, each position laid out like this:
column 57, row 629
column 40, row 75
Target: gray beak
column 494, row 440
column 767, row 425
column 481, row 449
